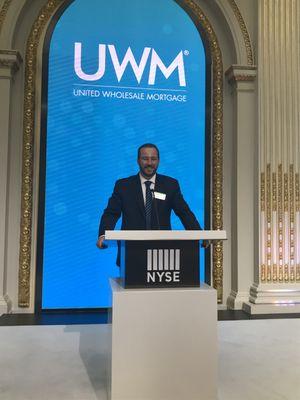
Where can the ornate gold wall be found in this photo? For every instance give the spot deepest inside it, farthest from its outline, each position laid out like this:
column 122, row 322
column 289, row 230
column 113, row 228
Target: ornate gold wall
column 279, row 101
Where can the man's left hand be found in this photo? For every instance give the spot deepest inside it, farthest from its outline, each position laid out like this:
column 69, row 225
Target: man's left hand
column 205, row 244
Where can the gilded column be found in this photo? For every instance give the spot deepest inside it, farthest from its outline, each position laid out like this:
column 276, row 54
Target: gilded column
column 277, row 287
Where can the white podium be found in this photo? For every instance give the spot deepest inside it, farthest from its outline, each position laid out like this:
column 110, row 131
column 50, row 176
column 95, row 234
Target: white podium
column 164, row 344
column 164, row 340
column 165, row 235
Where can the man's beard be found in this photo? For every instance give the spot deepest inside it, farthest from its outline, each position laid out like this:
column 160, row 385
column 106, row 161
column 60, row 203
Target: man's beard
column 146, row 172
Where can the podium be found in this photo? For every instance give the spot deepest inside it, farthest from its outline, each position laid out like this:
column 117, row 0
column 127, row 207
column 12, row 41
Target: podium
column 164, row 338
column 160, row 258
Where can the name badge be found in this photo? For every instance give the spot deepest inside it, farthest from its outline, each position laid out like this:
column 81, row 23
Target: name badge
column 159, row 196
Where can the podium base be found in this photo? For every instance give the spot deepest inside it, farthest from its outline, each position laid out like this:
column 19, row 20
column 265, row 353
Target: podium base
column 164, row 344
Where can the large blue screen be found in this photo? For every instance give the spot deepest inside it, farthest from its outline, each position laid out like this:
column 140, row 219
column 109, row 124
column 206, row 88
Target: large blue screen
column 121, row 73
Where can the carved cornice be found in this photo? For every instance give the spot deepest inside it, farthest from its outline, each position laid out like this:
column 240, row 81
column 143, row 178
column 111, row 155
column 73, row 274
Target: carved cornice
column 240, row 73
column 3, row 12
column 243, row 78
column 245, row 33
column 11, row 60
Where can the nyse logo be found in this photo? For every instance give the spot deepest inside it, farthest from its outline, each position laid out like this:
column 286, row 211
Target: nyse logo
column 138, row 68
column 163, row 265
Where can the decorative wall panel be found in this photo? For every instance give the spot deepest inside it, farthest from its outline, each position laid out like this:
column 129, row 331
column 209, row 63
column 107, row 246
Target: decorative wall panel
column 279, row 65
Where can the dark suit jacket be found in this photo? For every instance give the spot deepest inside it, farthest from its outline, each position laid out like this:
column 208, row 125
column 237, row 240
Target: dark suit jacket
column 127, row 200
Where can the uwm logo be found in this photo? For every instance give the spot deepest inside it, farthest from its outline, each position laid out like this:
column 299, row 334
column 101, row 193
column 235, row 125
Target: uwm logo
column 129, row 58
column 163, row 265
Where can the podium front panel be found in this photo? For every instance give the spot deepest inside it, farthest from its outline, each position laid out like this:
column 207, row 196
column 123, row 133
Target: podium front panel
column 161, row 264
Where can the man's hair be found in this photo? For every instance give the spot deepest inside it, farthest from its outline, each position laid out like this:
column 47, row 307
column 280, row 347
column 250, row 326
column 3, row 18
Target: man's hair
column 148, row 145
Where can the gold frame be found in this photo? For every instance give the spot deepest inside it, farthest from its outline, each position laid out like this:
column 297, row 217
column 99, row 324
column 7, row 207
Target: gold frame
column 217, row 140
column 41, row 21
column 245, row 33
column 3, row 12
column 39, row 25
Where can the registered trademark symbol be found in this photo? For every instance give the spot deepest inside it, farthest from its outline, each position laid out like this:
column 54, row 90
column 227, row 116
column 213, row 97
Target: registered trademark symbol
column 186, row 52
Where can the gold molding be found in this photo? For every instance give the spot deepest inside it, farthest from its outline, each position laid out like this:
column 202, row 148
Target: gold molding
column 245, row 33
column 263, row 209
column 28, row 142
column 262, row 192
column 269, row 222
column 243, row 78
column 217, row 141
column 297, row 211
column 297, row 193
column 3, row 12
column 292, row 222
column 10, row 53
column 286, row 210
column 274, row 211
column 280, row 197
column 280, row 223
column 42, row 19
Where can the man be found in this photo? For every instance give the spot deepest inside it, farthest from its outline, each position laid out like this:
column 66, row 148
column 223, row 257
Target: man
column 146, row 200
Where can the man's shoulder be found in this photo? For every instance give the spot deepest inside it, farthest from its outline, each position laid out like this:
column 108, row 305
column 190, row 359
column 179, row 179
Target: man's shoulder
column 126, row 181
column 167, row 179
column 134, row 178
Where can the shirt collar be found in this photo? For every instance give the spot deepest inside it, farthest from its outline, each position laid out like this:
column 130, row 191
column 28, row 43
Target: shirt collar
column 143, row 180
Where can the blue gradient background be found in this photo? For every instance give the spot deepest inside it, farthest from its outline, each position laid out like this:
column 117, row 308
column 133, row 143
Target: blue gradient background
column 91, row 142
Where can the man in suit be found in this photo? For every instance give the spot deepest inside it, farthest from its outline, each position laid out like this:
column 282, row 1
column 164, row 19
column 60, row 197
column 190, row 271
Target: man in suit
column 146, row 200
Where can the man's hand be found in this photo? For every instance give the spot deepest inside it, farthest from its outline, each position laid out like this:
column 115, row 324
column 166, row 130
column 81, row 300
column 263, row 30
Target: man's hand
column 100, row 242
column 205, row 244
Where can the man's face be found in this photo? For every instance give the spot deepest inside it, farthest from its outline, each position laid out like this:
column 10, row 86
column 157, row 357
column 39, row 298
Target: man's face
column 148, row 161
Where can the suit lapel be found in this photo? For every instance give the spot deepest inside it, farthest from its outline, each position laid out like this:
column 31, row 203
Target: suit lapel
column 159, row 187
column 139, row 194
column 157, row 204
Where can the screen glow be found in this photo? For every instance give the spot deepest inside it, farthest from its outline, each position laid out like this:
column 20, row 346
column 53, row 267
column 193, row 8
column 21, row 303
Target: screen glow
column 119, row 76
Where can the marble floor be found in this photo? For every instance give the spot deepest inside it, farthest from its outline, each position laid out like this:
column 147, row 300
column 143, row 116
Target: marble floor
column 258, row 360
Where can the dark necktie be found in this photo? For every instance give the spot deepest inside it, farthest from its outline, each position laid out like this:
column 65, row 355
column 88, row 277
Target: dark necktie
column 148, row 205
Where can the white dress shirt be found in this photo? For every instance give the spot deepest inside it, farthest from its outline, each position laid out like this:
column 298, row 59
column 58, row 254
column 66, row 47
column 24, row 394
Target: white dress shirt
column 143, row 180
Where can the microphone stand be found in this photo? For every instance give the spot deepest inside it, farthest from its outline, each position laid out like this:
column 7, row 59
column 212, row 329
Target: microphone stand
column 155, row 208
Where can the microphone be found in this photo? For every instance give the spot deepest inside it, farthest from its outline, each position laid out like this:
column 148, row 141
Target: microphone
column 155, row 208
